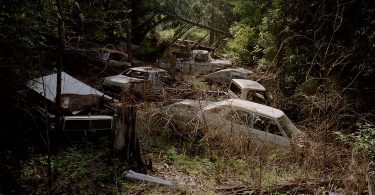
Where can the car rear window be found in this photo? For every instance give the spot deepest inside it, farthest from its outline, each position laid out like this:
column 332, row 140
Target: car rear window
column 136, row 74
column 235, row 89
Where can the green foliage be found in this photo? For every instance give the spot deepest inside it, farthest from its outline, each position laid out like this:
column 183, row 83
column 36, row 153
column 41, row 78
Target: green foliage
column 167, row 34
column 146, row 51
column 243, row 45
column 363, row 139
column 170, row 157
column 195, row 34
column 304, row 39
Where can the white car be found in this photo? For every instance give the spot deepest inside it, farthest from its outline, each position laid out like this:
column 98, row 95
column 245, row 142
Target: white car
column 249, row 90
column 264, row 122
column 140, row 77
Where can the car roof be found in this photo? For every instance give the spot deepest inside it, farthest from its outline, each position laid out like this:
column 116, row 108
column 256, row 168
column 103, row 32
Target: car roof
column 242, row 70
column 248, row 106
column 249, row 84
column 148, row 69
column 199, row 51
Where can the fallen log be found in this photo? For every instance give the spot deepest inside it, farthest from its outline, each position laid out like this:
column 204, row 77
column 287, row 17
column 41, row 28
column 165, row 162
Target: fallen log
column 134, row 176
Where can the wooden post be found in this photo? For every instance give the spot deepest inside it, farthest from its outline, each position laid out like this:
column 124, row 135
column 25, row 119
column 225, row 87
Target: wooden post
column 128, row 149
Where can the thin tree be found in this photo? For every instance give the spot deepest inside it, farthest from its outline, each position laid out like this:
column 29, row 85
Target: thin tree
column 59, row 65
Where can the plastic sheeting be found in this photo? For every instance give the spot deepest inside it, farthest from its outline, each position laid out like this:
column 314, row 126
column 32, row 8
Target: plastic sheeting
column 46, row 86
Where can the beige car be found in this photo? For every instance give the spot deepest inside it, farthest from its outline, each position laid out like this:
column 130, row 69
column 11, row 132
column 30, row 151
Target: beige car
column 264, row 122
column 249, row 90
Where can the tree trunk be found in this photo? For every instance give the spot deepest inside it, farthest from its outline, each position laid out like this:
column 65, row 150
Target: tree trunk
column 59, row 65
column 127, row 144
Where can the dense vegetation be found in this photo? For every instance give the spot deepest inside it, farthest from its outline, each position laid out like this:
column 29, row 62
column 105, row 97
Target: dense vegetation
column 320, row 54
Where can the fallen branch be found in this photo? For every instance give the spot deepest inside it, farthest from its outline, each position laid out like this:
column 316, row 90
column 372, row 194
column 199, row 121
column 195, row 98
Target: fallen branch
column 142, row 177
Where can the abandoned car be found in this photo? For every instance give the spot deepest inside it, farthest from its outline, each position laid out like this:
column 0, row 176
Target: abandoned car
column 224, row 77
column 249, row 90
column 137, row 79
column 264, row 122
column 84, row 108
column 199, row 62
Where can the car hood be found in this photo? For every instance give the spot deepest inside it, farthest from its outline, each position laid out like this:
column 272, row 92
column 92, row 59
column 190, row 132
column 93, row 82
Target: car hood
column 120, row 80
column 194, row 106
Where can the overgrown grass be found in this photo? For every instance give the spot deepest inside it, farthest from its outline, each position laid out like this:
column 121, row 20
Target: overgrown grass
column 217, row 161
column 83, row 168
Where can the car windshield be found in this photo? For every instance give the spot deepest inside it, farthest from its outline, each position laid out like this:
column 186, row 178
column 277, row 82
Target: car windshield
column 201, row 58
column 136, row 74
column 288, row 126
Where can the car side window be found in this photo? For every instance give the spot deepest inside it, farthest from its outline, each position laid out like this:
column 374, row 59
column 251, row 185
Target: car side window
column 257, row 96
column 235, row 89
column 266, row 124
column 236, row 75
column 227, row 74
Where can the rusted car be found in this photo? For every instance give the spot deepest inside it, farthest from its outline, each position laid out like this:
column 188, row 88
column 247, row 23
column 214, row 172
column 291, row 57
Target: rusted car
column 261, row 121
column 249, row 90
column 199, row 62
column 139, row 78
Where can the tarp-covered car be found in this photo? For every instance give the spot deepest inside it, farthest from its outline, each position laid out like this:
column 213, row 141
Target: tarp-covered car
column 83, row 107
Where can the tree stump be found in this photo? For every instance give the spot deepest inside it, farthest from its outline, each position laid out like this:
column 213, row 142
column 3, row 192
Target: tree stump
column 126, row 142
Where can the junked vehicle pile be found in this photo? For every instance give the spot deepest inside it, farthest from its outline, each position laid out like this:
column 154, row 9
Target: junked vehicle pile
column 89, row 110
column 240, row 113
column 245, row 112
